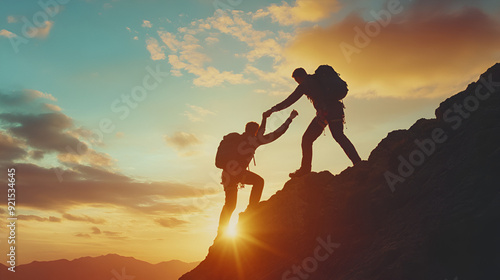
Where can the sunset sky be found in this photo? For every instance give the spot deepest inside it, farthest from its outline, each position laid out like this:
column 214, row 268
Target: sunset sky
column 111, row 111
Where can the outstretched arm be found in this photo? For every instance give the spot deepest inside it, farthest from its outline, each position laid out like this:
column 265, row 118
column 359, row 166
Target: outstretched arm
column 263, row 123
column 265, row 139
column 296, row 94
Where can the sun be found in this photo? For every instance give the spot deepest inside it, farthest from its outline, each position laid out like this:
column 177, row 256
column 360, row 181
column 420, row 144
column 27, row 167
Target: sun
column 232, row 230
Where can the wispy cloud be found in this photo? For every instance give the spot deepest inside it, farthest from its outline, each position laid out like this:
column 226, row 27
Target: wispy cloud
column 146, row 24
column 43, row 31
column 39, row 219
column 154, row 48
column 181, row 140
column 170, row 222
column 11, row 148
column 83, row 218
column 7, row 34
column 197, row 113
column 187, row 54
column 12, row 19
column 300, row 11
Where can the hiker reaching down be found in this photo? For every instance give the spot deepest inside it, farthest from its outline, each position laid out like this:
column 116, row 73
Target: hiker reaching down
column 324, row 89
column 234, row 155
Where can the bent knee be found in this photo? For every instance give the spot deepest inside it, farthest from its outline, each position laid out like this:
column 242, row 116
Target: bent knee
column 260, row 181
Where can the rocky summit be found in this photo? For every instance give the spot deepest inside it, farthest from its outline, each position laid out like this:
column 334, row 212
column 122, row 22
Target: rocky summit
column 425, row 205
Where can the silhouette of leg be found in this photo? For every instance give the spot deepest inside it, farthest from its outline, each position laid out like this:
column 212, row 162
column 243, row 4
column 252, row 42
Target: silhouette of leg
column 257, row 186
column 231, row 191
column 337, row 130
column 312, row 133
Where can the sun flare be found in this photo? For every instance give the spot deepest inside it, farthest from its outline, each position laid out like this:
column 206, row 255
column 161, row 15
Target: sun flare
column 232, row 231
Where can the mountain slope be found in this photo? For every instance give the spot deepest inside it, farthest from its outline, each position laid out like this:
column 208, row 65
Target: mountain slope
column 103, row 267
column 426, row 205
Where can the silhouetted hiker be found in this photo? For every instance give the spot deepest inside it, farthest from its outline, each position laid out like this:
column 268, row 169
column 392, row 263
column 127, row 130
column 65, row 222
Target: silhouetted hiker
column 233, row 156
column 325, row 90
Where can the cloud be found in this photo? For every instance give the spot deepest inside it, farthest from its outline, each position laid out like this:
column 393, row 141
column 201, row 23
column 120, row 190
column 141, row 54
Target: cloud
column 114, row 234
column 44, row 131
column 12, row 19
column 238, row 25
column 7, row 34
column 39, row 219
column 188, row 54
column 11, row 148
column 301, row 11
column 155, row 49
column 83, row 218
column 41, row 32
column 197, row 114
column 211, row 77
column 170, row 222
column 27, row 98
column 90, row 157
column 211, row 40
column 52, row 107
column 417, row 54
column 146, row 24
column 49, row 132
column 83, row 235
column 95, row 230
column 36, row 155
column 182, row 140
column 84, row 187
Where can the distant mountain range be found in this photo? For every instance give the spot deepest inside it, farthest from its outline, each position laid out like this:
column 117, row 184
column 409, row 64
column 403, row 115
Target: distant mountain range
column 108, row 267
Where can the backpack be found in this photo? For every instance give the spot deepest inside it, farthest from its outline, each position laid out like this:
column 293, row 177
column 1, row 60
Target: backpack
column 335, row 88
column 228, row 151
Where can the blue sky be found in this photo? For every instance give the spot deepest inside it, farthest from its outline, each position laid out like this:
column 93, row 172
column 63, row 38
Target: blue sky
column 198, row 73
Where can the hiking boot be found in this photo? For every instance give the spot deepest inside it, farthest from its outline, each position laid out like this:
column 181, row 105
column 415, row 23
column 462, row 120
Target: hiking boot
column 300, row 172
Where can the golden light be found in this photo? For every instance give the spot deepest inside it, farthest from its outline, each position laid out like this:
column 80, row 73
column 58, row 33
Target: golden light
column 232, row 230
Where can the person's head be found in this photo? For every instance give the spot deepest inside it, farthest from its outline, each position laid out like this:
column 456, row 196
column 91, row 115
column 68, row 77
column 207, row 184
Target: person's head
column 299, row 75
column 251, row 128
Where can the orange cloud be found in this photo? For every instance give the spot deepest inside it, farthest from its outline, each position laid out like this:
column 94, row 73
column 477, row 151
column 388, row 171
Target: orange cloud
column 83, row 218
column 155, row 49
column 41, row 32
column 84, row 186
column 181, row 140
column 7, row 33
column 38, row 218
column 303, row 10
column 170, row 222
column 417, row 52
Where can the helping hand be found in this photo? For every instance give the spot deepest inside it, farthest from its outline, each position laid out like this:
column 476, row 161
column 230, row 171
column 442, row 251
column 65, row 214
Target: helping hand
column 267, row 114
column 293, row 114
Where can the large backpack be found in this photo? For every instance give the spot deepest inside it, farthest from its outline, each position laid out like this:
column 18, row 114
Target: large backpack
column 335, row 88
column 230, row 150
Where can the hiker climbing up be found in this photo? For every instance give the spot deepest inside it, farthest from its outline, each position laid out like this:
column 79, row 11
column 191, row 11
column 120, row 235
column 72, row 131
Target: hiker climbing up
column 325, row 89
column 234, row 155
